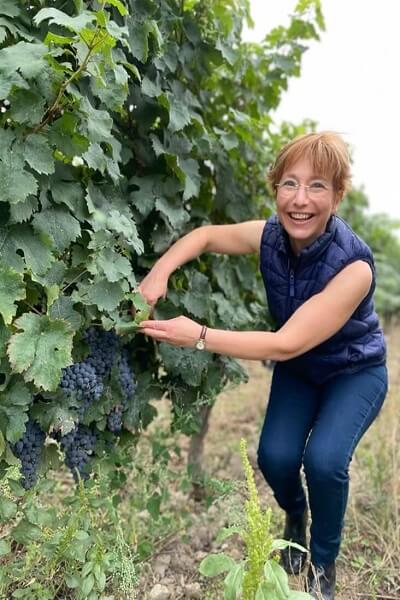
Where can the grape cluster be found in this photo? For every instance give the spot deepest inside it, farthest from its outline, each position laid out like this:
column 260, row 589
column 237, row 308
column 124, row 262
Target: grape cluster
column 103, row 348
column 126, row 377
column 114, row 419
column 81, row 379
column 28, row 449
column 78, row 446
column 127, row 384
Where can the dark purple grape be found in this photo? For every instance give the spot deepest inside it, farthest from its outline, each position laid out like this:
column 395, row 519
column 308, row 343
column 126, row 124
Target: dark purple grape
column 78, row 446
column 28, row 449
column 103, row 348
column 81, row 379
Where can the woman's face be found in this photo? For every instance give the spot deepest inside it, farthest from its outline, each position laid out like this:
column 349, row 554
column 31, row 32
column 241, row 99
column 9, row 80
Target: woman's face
column 290, row 204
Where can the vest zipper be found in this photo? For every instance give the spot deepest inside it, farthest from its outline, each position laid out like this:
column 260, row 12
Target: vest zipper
column 291, row 281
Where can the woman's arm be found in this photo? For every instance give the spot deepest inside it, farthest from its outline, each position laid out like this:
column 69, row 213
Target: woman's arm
column 315, row 321
column 238, row 238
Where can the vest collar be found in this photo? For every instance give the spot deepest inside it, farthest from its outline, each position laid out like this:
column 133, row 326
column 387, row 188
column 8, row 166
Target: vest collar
column 310, row 252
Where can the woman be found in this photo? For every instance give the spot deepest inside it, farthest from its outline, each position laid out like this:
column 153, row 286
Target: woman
column 330, row 377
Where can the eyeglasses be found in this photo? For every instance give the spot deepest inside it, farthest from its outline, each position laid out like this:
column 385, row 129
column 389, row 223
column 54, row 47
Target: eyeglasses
column 289, row 188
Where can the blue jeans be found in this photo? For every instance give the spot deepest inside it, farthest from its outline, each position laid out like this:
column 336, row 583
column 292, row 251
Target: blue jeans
column 318, row 427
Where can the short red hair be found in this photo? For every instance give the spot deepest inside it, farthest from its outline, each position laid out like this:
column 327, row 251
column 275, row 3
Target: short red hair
column 327, row 153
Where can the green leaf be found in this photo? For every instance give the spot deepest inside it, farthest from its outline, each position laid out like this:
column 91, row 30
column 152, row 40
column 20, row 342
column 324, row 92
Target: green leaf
column 114, row 266
column 233, row 582
column 139, row 38
column 28, row 58
column 175, row 212
column 23, row 211
column 27, row 106
column 59, row 18
column 59, row 225
column 98, row 122
column 15, row 183
column 266, row 591
column 15, row 402
column 153, row 505
column 179, row 114
column 226, row 532
column 119, row 5
column 87, row 585
column 189, row 364
column 121, row 224
column 38, row 154
column 190, row 168
column 279, row 544
column 41, row 350
column 5, row 547
column 8, row 509
column 275, row 574
column 215, row 564
column 9, row 8
column 102, row 293
column 63, row 134
column 25, row 532
column 63, row 309
column 12, row 289
column 36, row 254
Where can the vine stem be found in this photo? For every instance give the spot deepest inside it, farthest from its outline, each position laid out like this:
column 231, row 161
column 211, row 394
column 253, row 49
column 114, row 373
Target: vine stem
column 65, row 85
column 75, row 279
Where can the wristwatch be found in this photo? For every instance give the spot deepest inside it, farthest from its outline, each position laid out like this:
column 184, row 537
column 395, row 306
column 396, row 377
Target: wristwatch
column 201, row 342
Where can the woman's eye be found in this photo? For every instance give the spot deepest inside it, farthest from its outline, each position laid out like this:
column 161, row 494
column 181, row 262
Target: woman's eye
column 317, row 185
column 289, row 183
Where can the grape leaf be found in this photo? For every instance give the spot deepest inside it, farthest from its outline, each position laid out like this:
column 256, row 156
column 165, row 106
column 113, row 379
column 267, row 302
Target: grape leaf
column 41, row 350
column 121, row 224
column 15, row 183
column 12, row 289
column 62, row 308
column 23, row 210
column 112, row 265
column 38, row 154
column 29, row 58
column 14, row 404
column 186, row 362
column 60, row 18
column 59, row 225
column 36, row 254
column 102, row 293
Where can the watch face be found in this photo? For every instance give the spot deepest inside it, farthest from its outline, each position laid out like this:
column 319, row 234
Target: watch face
column 200, row 345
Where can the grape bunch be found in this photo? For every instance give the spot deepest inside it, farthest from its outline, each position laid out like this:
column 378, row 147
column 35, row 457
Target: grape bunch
column 103, row 348
column 78, row 446
column 81, row 379
column 28, row 449
column 127, row 384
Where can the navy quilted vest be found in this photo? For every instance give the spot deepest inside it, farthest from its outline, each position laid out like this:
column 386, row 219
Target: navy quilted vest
column 290, row 280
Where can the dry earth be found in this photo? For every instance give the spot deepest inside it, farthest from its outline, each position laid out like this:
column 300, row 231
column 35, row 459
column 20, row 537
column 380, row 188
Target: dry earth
column 172, row 573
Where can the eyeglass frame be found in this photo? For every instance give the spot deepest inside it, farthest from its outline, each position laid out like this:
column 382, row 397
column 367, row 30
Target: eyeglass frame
column 297, row 186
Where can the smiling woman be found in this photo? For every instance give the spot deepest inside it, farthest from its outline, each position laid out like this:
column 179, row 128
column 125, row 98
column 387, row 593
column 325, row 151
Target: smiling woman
column 330, row 377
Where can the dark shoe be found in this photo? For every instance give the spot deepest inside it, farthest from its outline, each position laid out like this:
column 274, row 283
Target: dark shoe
column 321, row 581
column 292, row 559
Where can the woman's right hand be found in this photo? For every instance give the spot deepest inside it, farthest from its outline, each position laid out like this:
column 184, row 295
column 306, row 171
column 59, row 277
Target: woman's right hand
column 153, row 286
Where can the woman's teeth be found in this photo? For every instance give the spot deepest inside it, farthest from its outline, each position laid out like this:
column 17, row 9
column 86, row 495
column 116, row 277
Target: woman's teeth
column 300, row 216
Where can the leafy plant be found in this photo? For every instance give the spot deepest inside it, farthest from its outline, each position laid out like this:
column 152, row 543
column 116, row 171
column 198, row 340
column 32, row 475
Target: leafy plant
column 259, row 575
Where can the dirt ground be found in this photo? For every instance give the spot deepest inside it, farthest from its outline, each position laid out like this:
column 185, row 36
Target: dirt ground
column 173, row 571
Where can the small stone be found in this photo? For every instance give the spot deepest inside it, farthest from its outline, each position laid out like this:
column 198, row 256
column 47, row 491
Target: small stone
column 161, row 564
column 159, row 592
column 193, row 590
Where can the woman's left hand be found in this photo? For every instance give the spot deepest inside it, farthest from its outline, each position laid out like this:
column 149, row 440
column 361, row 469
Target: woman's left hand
column 179, row 331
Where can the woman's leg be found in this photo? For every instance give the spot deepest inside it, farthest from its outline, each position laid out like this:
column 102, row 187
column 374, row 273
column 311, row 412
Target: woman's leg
column 349, row 404
column 291, row 410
